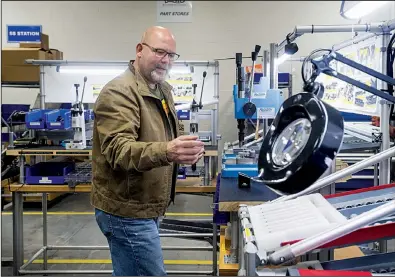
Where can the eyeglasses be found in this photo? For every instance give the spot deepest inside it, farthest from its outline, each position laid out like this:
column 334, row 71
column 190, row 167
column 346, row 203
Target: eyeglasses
column 160, row 53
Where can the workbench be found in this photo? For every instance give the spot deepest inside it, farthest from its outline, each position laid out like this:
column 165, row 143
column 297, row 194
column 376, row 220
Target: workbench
column 231, row 196
column 18, row 249
column 18, row 189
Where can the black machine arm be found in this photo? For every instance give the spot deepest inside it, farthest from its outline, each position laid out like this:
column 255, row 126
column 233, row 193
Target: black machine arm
column 322, row 66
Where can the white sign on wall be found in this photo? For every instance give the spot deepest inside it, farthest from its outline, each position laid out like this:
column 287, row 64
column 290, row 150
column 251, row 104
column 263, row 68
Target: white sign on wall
column 174, row 11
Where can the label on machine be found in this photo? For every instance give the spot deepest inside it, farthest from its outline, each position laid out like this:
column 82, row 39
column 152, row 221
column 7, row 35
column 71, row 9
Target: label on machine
column 264, row 113
column 45, row 180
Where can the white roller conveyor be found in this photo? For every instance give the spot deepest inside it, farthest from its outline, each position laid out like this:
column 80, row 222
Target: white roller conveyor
column 274, row 223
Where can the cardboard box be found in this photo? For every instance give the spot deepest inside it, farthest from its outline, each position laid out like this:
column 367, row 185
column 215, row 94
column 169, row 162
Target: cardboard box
column 15, row 70
column 57, row 55
column 44, row 44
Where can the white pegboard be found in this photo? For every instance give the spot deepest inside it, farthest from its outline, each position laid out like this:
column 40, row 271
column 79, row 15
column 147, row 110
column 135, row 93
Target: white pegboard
column 59, row 87
column 274, row 223
column 346, row 97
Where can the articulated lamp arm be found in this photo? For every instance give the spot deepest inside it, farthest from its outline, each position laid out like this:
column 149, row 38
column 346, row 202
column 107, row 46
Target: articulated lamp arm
column 289, row 252
column 322, row 66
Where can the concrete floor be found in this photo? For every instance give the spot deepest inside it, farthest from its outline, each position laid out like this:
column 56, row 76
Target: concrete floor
column 77, row 229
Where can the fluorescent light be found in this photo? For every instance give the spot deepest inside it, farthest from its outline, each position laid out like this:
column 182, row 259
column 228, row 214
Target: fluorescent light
column 363, row 8
column 281, row 59
column 180, row 70
column 91, row 71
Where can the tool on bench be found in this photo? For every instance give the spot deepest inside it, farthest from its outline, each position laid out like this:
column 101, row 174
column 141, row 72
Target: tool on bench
column 194, row 125
column 78, row 121
column 249, row 108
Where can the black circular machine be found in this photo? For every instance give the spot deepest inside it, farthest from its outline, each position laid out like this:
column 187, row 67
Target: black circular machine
column 301, row 144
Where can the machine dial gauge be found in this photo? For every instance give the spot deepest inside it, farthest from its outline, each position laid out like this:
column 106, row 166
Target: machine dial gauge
column 291, row 142
column 249, row 109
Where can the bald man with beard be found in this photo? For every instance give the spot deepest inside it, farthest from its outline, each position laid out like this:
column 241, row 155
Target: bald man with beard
column 135, row 156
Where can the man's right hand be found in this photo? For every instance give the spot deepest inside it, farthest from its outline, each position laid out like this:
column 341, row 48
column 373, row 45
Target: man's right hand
column 185, row 150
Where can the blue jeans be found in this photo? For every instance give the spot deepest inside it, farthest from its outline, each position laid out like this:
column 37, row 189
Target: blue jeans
column 134, row 245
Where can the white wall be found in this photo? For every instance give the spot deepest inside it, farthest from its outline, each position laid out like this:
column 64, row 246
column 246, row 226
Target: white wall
column 99, row 30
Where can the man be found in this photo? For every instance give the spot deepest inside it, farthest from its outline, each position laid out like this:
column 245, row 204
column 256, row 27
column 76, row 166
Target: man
column 135, row 156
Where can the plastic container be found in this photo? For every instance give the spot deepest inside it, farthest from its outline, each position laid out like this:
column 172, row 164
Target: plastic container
column 48, row 172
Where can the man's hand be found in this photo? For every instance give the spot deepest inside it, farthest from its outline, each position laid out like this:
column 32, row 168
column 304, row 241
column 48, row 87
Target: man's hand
column 185, row 150
column 376, row 121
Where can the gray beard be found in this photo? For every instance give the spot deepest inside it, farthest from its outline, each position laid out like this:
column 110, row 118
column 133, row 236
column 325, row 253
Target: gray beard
column 158, row 78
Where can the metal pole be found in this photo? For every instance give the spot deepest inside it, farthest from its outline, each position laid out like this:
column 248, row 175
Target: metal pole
column 194, row 235
column 384, row 172
column 17, row 225
column 272, row 67
column 33, row 258
column 97, row 247
column 215, row 245
column 265, row 62
column 45, row 229
column 214, row 164
column 243, row 216
column 266, row 58
column 236, row 142
column 250, row 259
column 206, row 180
column 379, row 27
column 42, row 87
column 341, row 174
column 352, row 41
column 112, row 63
column 376, row 173
column 290, row 252
column 235, row 236
column 21, row 169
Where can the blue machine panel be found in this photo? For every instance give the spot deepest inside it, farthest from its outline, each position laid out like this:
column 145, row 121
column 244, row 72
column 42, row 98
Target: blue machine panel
column 267, row 106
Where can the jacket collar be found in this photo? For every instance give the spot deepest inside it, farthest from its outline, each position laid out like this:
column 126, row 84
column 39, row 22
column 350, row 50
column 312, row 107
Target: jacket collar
column 143, row 86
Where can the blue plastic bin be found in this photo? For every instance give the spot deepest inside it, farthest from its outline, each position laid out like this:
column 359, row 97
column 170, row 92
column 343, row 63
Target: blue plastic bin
column 58, row 119
column 35, row 119
column 48, row 172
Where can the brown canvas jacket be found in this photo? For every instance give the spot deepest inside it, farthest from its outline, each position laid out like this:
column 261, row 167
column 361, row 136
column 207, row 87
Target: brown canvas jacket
column 132, row 176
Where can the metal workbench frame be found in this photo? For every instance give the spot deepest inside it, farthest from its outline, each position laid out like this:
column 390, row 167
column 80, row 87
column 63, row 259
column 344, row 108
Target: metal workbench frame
column 20, row 267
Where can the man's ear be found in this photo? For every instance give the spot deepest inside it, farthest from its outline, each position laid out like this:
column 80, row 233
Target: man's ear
column 139, row 49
